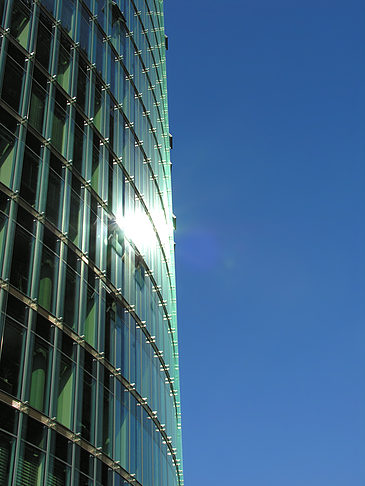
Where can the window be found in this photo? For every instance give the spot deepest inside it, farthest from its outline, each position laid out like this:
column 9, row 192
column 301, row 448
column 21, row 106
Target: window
column 107, row 430
column 61, row 447
column 65, row 385
column 44, row 38
column 87, row 405
column 59, row 473
column 34, row 432
column 48, row 271
column 139, row 271
column 98, row 102
column 20, row 22
column 68, row 13
column 71, row 297
column 49, row 5
column 75, row 212
column 82, row 84
column 101, row 11
column 40, row 371
column 7, row 444
column 100, row 49
column 8, row 132
column 95, row 167
column 31, row 162
column 85, row 30
column 109, row 328
column 8, row 419
column 91, row 310
column 110, row 182
column 38, row 100
column 4, row 211
column 54, row 192
column 11, row 357
column 64, row 63
column 22, row 258
column 44, row 328
column 16, row 310
column 59, row 123
column 79, row 137
column 93, row 219
column 14, row 70
column 117, row 15
column 2, row 3
column 30, row 466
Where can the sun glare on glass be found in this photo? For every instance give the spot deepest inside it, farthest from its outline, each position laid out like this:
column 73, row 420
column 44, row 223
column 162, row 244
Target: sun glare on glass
column 137, row 228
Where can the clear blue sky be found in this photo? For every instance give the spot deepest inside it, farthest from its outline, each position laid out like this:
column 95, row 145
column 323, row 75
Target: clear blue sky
column 267, row 109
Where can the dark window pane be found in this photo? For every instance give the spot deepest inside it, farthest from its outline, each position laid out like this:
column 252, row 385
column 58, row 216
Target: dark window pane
column 67, row 14
column 38, row 396
column 58, row 473
column 71, row 291
column 67, row 346
column 8, row 419
column 2, row 2
column 88, row 408
column 6, row 446
column 50, row 240
column 20, row 22
column 48, row 279
column 100, row 47
column 59, row 121
column 83, row 480
column 107, row 423
column 38, row 100
column 79, row 136
column 44, row 328
column 75, row 211
column 89, row 362
column 110, row 319
column 7, row 153
column 44, row 38
column 49, row 5
column 31, row 162
column 53, row 205
column 30, row 467
column 82, row 79
column 86, row 462
column 11, row 357
column 85, row 30
column 95, row 167
column 4, row 203
column 110, row 183
column 14, row 71
column 61, row 447
column 101, row 6
column 97, row 106
column 34, row 432
column 22, row 250
column 25, row 219
column 16, row 309
column 65, row 384
column 64, row 63
column 93, row 228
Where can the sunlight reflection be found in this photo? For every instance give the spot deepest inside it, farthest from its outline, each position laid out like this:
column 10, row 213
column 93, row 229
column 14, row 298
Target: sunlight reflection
column 137, row 228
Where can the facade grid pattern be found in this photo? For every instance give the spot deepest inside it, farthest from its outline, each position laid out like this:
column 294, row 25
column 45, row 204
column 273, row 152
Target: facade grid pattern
column 89, row 379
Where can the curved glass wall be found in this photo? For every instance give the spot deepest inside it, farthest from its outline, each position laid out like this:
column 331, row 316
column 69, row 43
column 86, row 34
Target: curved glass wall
column 89, row 383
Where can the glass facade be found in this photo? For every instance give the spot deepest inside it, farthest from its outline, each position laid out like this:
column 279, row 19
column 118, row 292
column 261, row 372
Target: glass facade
column 89, row 381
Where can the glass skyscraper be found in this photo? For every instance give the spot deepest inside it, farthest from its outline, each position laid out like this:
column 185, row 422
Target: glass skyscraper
column 89, row 383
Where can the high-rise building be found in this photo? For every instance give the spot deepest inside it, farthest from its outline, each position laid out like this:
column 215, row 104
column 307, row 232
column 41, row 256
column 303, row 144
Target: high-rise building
column 89, row 384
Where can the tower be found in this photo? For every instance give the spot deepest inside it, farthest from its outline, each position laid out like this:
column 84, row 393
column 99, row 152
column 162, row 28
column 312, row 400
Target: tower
column 89, row 382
